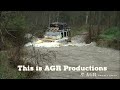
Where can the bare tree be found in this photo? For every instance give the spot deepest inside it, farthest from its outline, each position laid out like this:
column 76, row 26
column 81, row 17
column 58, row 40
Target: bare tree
column 87, row 13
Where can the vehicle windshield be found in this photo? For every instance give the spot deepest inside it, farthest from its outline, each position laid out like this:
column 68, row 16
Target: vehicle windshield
column 52, row 33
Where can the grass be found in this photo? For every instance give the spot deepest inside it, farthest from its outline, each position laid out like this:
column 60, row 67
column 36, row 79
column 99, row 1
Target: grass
column 112, row 33
column 6, row 71
column 110, row 38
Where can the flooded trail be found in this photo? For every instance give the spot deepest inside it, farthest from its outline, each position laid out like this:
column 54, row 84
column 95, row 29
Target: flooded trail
column 74, row 56
column 77, row 54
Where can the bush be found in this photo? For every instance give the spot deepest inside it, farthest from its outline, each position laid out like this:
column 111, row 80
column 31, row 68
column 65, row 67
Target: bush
column 6, row 72
column 110, row 38
column 112, row 33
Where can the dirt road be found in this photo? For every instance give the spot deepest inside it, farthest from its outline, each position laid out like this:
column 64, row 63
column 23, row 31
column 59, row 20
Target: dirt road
column 74, row 56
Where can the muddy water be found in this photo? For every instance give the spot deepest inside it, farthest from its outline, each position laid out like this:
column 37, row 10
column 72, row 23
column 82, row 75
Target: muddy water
column 84, row 55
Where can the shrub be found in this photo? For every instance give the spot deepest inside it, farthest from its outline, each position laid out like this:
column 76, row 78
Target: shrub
column 112, row 33
column 110, row 38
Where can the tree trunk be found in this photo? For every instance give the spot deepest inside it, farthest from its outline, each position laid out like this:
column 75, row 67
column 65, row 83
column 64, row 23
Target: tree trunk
column 90, row 26
column 99, row 22
column 86, row 17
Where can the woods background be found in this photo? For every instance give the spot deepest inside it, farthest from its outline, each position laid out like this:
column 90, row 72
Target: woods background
column 102, row 27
